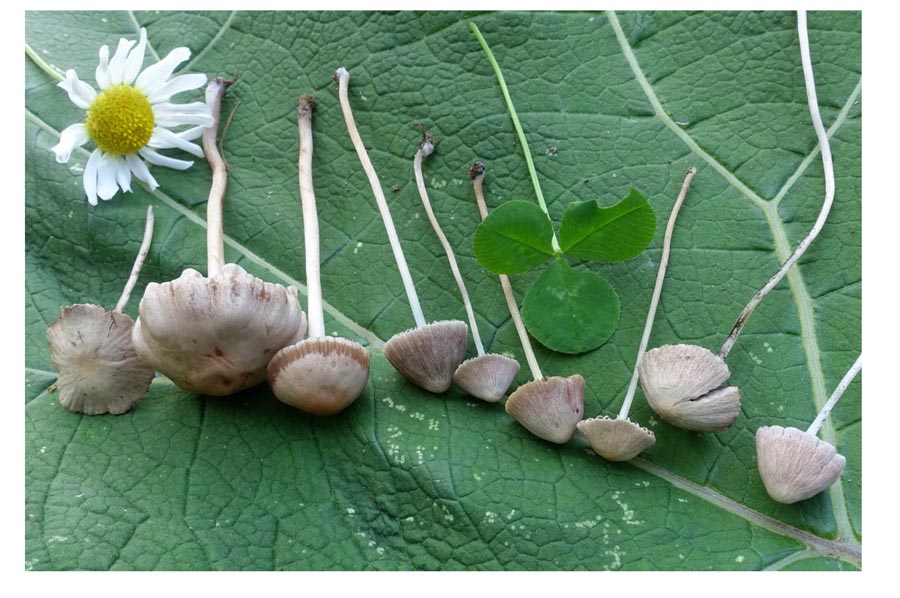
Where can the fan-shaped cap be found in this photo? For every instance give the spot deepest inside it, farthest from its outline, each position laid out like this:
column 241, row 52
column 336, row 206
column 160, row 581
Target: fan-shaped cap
column 99, row 371
column 321, row 375
column 616, row 439
column 795, row 465
column 549, row 408
column 486, row 377
column 682, row 384
column 216, row 335
column 429, row 355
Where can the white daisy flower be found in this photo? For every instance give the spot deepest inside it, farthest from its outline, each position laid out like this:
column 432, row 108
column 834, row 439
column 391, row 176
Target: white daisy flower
column 131, row 118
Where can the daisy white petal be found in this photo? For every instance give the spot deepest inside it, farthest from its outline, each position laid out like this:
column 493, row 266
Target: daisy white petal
column 117, row 64
column 156, row 75
column 106, row 177
column 123, row 174
column 102, row 72
column 175, row 86
column 172, row 115
column 164, row 139
column 141, row 171
column 90, row 177
column 192, row 133
column 79, row 92
column 135, row 59
column 155, row 158
column 71, row 137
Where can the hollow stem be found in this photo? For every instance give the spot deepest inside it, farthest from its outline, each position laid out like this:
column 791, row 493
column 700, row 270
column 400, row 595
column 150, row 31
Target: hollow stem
column 305, row 105
column 138, row 262
column 477, row 174
column 838, row 392
column 425, row 150
column 657, row 291
column 516, row 125
column 828, row 167
column 343, row 79
column 215, row 248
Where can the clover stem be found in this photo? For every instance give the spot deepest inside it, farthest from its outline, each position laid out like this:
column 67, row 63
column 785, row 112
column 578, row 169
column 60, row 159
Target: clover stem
column 138, row 262
column 215, row 248
column 477, row 174
column 305, row 105
column 828, row 167
column 343, row 79
column 516, row 125
column 838, row 392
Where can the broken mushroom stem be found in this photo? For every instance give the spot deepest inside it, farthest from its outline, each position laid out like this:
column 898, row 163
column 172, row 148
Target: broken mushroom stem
column 138, row 262
column 215, row 248
column 314, row 310
column 835, row 396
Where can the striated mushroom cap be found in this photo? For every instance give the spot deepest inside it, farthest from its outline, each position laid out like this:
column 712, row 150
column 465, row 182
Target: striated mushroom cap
column 215, row 336
column 486, row 377
column 549, row 408
column 682, row 384
column 795, row 465
column 429, row 355
column 616, row 439
column 321, row 375
column 99, row 370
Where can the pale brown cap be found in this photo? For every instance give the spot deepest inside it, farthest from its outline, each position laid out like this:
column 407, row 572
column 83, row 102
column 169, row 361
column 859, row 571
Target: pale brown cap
column 99, row 370
column 549, row 408
column 616, row 439
column 215, row 336
column 486, row 377
column 682, row 384
column 429, row 355
column 795, row 465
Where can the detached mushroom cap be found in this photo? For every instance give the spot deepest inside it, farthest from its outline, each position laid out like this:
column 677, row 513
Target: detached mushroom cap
column 549, row 408
column 321, row 375
column 795, row 465
column 682, row 384
column 486, row 377
column 99, row 370
column 429, row 355
column 616, row 439
column 215, row 336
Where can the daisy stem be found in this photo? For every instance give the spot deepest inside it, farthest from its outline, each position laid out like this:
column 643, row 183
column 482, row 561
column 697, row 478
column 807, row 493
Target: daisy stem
column 343, row 78
column 215, row 247
column 425, row 150
column 838, row 392
column 305, row 105
column 657, row 291
column 828, row 167
column 138, row 262
column 477, row 174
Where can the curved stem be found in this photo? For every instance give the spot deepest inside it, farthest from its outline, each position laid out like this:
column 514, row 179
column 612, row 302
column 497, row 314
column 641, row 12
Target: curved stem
column 828, row 167
column 516, row 125
column 477, row 174
column 215, row 248
column 657, row 291
column 343, row 79
column 835, row 396
column 305, row 105
column 138, row 262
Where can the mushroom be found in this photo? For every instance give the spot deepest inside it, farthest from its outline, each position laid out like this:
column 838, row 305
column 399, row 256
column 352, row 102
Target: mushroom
column 215, row 335
column 428, row 354
column 91, row 348
column 320, row 375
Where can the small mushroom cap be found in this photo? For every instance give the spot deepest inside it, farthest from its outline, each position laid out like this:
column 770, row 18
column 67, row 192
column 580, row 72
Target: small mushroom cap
column 215, row 336
column 616, row 439
column 486, row 377
column 99, row 370
column 429, row 355
column 795, row 465
column 682, row 384
column 549, row 408
column 321, row 375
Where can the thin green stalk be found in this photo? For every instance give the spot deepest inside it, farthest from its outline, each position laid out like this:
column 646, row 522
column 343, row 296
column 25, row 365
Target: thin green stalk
column 43, row 64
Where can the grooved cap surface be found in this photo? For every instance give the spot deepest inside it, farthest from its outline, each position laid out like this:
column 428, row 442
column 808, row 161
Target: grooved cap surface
column 429, row 355
column 616, row 439
column 795, row 465
column 486, row 377
column 549, row 408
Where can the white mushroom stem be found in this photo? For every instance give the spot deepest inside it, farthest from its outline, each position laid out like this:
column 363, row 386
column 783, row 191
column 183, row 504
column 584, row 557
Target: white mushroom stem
column 477, row 174
column 828, row 167
column 425, row 150
column 657, row 291
column 215, row 248
column 138, row 262
column 314, row 312
column 343, row 79
column 838, row 392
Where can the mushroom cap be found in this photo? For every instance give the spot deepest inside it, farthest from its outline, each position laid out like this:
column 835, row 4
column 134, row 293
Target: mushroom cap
column 795, row 465
column 215, row 336
column 549, row 408
column 682, row 384
column 99, row 370
column 486, row 377
column 429, row 355
column 320, row 375
column 616, row 439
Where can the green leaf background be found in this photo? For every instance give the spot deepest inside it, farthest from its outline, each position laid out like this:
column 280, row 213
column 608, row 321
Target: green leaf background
column 406, row 480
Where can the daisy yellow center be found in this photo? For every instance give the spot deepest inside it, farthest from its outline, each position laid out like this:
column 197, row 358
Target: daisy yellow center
column 120, row 120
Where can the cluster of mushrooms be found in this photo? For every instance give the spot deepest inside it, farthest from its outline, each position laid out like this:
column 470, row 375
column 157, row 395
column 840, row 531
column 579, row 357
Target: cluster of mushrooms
column 227, row 331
